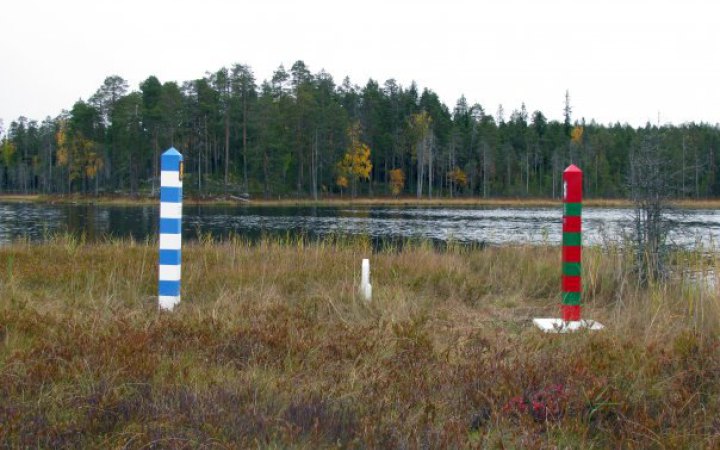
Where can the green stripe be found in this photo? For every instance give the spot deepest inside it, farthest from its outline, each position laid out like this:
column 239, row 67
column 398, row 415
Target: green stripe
column 572, row 239
column 572, row 269
column 571, row 298
column 573, row 209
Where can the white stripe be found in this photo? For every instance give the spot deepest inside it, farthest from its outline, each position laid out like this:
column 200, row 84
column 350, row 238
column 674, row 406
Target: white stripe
column 170, row 178
column 171, row 210
column 170, row 241
column 170, row 273
column 168, row 301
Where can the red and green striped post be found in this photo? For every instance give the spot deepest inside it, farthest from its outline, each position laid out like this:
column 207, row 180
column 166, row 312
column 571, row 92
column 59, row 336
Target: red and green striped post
column 572, row 244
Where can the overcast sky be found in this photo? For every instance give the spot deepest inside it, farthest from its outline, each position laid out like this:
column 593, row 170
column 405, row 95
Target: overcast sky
column 621, row 60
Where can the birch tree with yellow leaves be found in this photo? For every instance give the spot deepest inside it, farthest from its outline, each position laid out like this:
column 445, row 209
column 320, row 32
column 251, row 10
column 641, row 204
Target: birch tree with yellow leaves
column 79, row 155
column 356, row 163
column 397, row 181
column 7, row 157
column 422, row 135
column 576, row 144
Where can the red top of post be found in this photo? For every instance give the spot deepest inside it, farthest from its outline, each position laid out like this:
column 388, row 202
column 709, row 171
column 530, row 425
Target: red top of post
column 573, row 168
column 572, row 184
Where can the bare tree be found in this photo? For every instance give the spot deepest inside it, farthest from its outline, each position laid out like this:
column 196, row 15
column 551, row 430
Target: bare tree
column 556, row 168
column 486, row 161
column 314, row 166
column 650, row 187
column 429, row 147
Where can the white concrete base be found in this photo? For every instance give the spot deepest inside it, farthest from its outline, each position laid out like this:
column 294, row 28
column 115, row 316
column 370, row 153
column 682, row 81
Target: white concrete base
column 366, row 292
column 168, row 302
column 549, row 325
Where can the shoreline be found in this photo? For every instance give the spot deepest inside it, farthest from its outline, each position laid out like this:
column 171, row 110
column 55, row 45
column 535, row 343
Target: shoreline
column 126, row 200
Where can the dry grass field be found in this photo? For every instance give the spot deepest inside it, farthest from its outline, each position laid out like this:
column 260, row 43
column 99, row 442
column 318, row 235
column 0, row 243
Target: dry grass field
column 272, row 347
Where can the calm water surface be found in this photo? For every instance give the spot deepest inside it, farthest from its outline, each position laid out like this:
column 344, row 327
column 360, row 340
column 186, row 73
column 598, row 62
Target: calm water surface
column 492, row 226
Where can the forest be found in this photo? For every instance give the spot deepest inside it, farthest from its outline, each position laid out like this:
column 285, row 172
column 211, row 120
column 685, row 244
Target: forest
column 303, row 135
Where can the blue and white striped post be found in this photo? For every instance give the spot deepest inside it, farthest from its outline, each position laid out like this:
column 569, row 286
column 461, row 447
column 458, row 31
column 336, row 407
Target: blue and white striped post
column 170, row 228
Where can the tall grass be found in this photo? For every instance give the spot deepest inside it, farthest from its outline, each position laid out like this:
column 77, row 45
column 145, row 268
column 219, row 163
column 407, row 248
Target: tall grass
column 272, row 346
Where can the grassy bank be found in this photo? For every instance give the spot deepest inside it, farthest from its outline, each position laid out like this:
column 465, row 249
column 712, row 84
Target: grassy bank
column 122, row 200
column 272, row 347
column 291, row 201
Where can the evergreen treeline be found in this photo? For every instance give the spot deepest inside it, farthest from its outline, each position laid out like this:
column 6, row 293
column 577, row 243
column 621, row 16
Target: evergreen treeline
column 302, row 134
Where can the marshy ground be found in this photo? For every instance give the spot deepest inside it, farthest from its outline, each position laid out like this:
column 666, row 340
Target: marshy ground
column 272, row 346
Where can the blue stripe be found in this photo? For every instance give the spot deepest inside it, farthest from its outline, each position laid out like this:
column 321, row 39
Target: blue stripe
column 170, row 160
column 170, row 194
column 170, row 257
column 170, row 288
column 170, row 226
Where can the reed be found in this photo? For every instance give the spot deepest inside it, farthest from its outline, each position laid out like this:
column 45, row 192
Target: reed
column 273, row 346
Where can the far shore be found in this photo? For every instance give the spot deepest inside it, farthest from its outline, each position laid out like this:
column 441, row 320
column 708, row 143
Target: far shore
column 144, row 199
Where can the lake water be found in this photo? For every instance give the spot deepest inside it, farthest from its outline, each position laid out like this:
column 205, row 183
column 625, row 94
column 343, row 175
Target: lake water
column 490, row 226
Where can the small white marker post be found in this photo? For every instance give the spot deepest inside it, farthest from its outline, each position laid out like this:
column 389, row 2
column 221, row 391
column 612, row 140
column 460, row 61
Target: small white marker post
column 365, row 286
column 170, row 229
